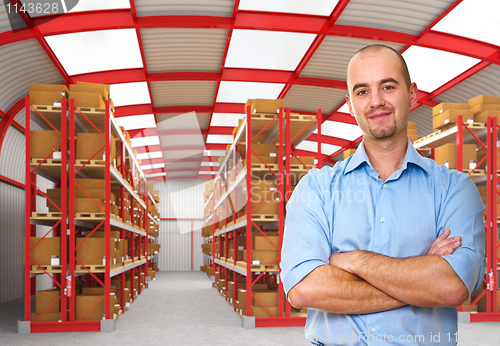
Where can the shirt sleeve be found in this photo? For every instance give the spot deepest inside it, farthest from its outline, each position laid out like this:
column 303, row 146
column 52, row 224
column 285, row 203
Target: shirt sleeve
column 306, row 241
column 462, row 214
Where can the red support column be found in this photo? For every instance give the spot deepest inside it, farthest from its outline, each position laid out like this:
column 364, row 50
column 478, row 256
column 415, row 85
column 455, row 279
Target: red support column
column 281, row 209
column 494, row 230
column 71, row 216
column 288, row 146
column 107, row 225
column 460, row 143
column 319, row 119
column 27, row 214
column 64, row 210
column 248, row 156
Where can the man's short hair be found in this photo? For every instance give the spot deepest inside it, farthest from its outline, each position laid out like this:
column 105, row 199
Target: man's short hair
column 378, row 47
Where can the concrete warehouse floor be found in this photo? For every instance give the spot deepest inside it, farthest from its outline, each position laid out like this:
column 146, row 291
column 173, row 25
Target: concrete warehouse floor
column 182, row 308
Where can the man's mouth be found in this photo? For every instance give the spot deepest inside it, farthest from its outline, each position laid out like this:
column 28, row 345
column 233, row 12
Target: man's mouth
column 380, row 115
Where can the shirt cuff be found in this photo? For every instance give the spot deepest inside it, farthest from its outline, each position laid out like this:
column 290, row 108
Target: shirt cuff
column 466, row 265
column 294, row 276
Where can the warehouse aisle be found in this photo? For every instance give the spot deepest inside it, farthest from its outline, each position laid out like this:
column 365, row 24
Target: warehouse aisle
column 181, row 308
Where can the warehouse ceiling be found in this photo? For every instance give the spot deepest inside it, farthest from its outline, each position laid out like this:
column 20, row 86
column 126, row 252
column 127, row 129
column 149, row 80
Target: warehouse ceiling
column 181, row 71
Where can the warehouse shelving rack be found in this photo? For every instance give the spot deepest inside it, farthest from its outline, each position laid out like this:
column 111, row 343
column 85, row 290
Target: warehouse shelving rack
column 65, row 121
column 477, row 132
column 268, row 128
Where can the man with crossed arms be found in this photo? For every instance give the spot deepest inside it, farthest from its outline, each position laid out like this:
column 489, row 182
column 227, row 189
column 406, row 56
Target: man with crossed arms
column 384, row 246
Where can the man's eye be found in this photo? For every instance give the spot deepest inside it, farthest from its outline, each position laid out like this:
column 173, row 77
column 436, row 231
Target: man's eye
column 388, row 87
column 361, row 92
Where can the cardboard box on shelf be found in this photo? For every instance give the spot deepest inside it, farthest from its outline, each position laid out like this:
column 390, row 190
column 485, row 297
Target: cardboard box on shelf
column 44, row 300
column 263, row 312
column 267, row 153
column 485, row 107
column 447, row 155
column 91, row 307
column 265, row 106
column 266, row 244
column 483, row 116
column 267, row 298
column 449, row 117
column 43, row 143
column 43, row 251
column 47, row 94
column 91, row 251
column 444, row 106
column 88, row 144
column 47, row 317
column 85, row 99
column 263, row 257
column 349, row 152
column 102, row 89
column 483, row 99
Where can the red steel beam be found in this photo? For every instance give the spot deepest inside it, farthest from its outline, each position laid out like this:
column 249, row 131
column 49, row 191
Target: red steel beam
column 329, row 140
column 217, row 130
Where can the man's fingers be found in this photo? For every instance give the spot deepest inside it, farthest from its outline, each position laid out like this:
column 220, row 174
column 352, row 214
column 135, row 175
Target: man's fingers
column 443, row 235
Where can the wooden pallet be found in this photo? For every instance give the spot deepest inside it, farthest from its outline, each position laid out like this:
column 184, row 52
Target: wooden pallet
column 37, row 161
column 300, row 167
column 52, row 215
column 48, row 269
column 476, row 172
column 262, row 267
column 264, row 167
column 265, row 217
column 48, row 108
column 230, row 261
column 469, row 125
column 86, row 216
column 91, row 110
column 92, row 267
column 98, row 163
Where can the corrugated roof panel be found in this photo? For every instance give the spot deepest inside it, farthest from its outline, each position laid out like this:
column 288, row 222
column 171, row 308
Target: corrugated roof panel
column 485, row 82
column 182, row 174
column 423, row 117
column 185, row 7
column 183, row 49
column 183, row 93
column 333, row 56
column 24, row 63
column 13, row 155
column 408, row 16
column 20, row 118
column 182, row 154
column 12, row 22
column 310, row 98
column 163, row 124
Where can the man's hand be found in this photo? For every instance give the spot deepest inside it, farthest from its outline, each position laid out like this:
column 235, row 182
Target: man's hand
column 442, row 246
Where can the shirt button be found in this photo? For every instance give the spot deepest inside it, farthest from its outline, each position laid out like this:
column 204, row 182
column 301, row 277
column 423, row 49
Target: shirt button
column 384, row 186
column 373, row 330
column 382, row 219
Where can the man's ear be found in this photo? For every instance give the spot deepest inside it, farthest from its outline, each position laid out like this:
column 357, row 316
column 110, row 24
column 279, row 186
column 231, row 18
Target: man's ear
column 413, row 94
column 347, row 100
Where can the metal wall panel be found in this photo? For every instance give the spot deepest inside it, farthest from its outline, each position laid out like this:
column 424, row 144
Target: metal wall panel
column 333, row 56
column 407, row 16
column 485, row 82
column 181, row 199
column 24, row 63
column 12, row 155
column 423, row 117
column 21, row 119
column 310, row 98
column 183, row 49
column 11, row 242
column 185, row 7
column 7, row 24
column 183, row 93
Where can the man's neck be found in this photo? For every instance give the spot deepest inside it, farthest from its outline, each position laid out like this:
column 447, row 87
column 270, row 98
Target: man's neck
column 386, row 156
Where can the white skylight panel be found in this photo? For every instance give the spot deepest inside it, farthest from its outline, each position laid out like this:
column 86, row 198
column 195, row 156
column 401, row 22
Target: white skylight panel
column 92, row 5
column 326, row 149
column 272, row 50
column 226, row 119
column 126, row 94
column 134, row 122
column 206, row 173
column 156, row 175
column 431, row 68
column 153, row 166
column 214, row 153
column 220, row 139
column 93, row 51
column 143, row 141
column 148, row 156
column 340, row 130
column 476, row 19
column 344, row 109
column 240, row 92
column 213, row 164
column 317, row 7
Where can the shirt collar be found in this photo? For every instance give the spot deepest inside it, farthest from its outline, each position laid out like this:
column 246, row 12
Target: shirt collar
column 411, row 156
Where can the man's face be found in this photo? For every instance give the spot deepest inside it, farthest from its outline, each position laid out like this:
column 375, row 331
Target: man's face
column 378, row 95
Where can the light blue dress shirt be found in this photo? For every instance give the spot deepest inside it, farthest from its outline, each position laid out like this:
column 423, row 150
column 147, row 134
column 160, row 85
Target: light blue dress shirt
column 347, row 207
